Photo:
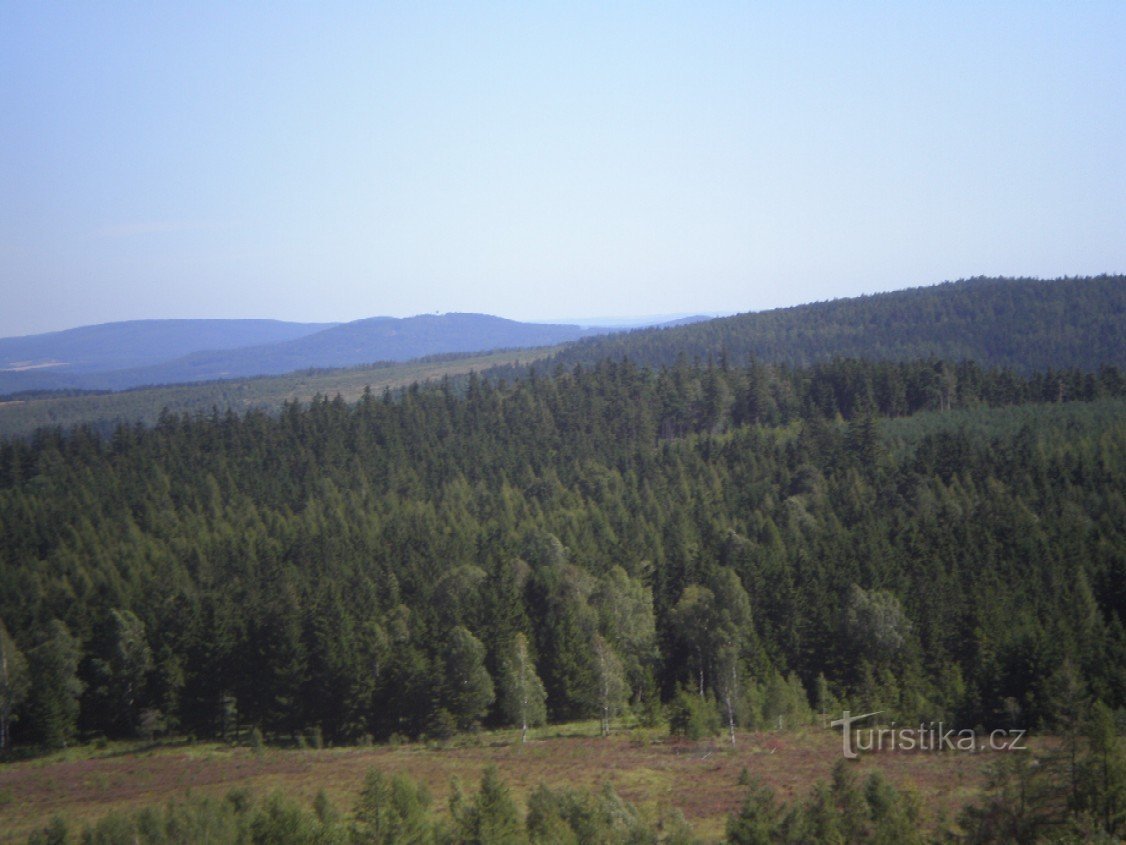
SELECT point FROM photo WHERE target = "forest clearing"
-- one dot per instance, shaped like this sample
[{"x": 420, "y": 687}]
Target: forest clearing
[{"x": 652, "y": 771}]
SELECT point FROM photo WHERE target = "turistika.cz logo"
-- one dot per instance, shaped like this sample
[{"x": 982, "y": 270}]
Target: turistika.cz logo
[{"x": 925, "y": 738}]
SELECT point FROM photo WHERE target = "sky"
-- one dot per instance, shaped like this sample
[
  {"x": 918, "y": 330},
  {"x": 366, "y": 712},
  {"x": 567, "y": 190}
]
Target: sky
[{"x": 331, "y": 161}]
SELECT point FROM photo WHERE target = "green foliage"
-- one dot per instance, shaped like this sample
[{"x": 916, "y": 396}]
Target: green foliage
[
  {"x": 1102, "y": 789},
  {"x": 566, "y": 816},
  {"x": 467, "y": 689},
  {"x": 784, "y": 702},
  {"x": 842, "y": 811},
  {"x": 875, "y": 625},
  {"x": 612, "y": 687},
  {"x": 14, "y": 684},
  {"x": 240, "y": 818},
  {"x": 393, "y": 811},
  {"x": 366, "y": 568},
  {"x": 523, "y": 695},
  {"x": 758, "y": 822},
  {"x": 1073, "y": 792},
  {"x": 117, "y": 677},
  {"x": 52, "y": 706},
  {"x": 693, "y": 716},
  {"x": 389, "y": 811},
  {"x": 491, "y": 818}
]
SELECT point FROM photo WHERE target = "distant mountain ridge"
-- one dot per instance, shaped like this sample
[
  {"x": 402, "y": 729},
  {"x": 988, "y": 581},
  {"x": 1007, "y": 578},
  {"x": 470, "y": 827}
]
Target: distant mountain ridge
[
  {"x": 59, "y": 359},
  {"x": 367, "y": 341},
  {"x": 1024, "y": 324},
  {"x": 117, "y": 356}
]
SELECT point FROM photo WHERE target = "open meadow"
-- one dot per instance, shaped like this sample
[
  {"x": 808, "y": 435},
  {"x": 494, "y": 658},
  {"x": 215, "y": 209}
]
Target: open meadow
[{"x": 653, "y": 771}]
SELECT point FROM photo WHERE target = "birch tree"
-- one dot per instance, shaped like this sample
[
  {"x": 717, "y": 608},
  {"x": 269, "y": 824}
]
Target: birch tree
[
  {"x": 522, "y": 692},
  {"x": 612, "y": 687}
]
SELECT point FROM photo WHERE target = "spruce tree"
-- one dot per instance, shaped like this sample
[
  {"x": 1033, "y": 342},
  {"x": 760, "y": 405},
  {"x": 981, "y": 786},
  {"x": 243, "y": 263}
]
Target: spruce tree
[
  {"x": 52, "y": 707},
  {"x": 466, "y": 688}
]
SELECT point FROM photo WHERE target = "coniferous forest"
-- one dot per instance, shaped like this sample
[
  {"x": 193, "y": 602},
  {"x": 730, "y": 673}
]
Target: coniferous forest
[
  {"x": 706, "y": 542},
  {"x": 932, "y": 540}
]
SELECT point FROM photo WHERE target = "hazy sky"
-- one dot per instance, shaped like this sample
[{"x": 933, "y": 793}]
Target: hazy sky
[{"x": 321, "y": 161}]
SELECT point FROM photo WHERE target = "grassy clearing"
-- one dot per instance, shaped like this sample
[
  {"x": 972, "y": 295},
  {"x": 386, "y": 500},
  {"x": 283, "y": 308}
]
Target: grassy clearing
[{"x": 646, "y": 768}]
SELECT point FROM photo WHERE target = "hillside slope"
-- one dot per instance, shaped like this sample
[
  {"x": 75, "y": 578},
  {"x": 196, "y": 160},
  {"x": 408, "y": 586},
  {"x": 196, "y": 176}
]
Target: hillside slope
[{"x": 1024, "y": 324}]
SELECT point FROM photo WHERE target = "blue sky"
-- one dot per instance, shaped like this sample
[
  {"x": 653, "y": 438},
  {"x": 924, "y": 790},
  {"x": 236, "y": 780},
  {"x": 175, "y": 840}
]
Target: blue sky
[{"x": 328, "y": 161}]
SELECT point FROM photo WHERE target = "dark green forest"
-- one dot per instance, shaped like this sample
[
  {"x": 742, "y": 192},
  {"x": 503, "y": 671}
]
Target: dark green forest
[
  {"x": 939, "y": 541},
  {"x": 1028, "y": 325}
]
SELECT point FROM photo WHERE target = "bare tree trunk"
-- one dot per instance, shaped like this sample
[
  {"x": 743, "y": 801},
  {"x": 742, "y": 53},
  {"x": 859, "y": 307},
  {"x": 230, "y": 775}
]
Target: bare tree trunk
[
  {"x": 731, "y": 719},
  {"x": 5, "y": 709},
  {"x": 729, "y": 699}
]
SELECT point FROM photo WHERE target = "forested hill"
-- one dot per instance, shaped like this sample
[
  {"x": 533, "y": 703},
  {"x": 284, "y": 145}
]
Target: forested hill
[{"x": 1024, "y": 324}]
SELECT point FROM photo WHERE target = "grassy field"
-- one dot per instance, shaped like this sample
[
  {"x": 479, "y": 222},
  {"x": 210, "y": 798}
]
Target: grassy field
[
  {"x": 22, "y": 416},
  {"x": 649, "y": 769}
]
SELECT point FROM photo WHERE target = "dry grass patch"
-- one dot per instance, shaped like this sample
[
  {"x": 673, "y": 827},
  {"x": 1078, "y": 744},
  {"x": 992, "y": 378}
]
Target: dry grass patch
[{"x": 699, "y": 779}]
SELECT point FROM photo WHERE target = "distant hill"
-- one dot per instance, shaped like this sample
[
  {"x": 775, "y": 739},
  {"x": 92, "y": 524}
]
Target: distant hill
[
  {"x": 57, "y": 360},
  {"x": 355, "y": 343},
  {"x": 125, "y": 355},
  {"x": 1027, "y": 325},
  {"x": 1024, "y": 324}
]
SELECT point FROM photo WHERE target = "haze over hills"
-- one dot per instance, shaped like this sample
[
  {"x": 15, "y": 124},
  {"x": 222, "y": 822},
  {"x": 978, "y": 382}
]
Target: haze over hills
[
  {"x": 1028, "y": 326},
  {"x": 1023, "y": 324},
  {"x": 134, "y": 343},
  {"x": 376, "y": 339},
  {"x": 124, "y": 355}
]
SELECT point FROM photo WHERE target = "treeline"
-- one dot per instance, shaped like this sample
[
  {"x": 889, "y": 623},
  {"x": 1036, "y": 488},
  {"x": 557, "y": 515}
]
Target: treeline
[
  {"x": 1024, "y": 324},
  {"x": 572, "y": 546},
  {"x": 22, "y": 413}
]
